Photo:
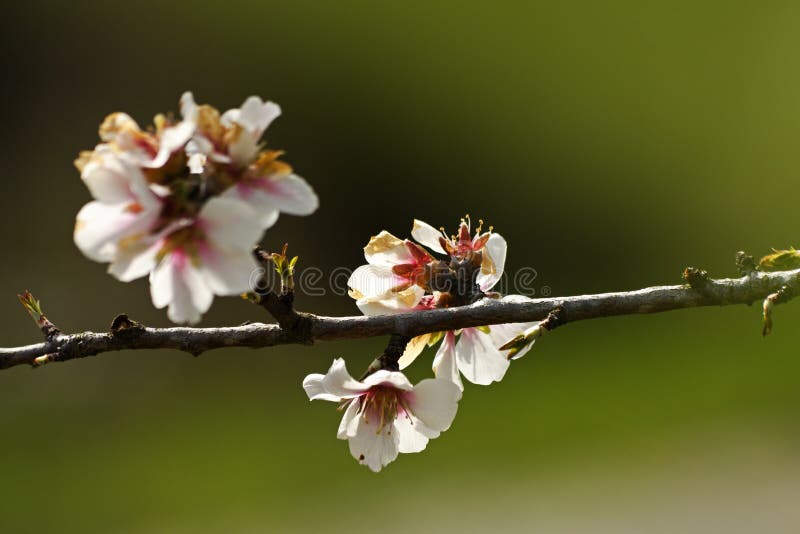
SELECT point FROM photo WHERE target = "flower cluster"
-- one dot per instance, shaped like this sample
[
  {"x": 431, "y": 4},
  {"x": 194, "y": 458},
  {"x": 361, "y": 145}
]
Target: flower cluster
[
  {"x": 185, "y": 201},
  {"x": 403, "y": 276},
  {"x": 385, "y": 414}
]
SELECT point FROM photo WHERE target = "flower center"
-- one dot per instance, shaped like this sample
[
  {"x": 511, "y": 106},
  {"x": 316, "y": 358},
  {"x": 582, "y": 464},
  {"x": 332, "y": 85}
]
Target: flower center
[{"x": 382, "y": 403}]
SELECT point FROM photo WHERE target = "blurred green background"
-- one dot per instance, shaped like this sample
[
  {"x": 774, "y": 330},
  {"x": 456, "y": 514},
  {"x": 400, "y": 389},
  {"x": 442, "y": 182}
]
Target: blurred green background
[{"x": 611, "y": 143}]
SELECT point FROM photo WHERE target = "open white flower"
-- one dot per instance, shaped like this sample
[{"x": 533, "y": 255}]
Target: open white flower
[
  {"x": 385, "y": 413},
  {"x": 209, "y": 256},
  {"x": 124, "y": 211}
]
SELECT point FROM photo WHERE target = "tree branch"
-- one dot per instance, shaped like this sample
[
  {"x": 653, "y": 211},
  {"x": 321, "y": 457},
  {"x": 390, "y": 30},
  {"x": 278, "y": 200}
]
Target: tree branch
[{"x": 128, "y": 335}]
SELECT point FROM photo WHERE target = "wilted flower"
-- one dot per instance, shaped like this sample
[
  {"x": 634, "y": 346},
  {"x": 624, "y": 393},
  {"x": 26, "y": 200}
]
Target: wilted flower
[
  {"x": 487, "y": 249},
  {"x": 393, "y": 279},
  {"x": 385, "y": 414}
]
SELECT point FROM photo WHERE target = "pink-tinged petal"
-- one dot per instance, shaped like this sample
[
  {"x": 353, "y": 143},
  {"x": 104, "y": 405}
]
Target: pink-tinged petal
[
  {"x": 427, "y": 235},
  {"x": 444, "y": 363},
  {"x": 413, "y": 349},
  {"x": 257, "y": 199},
  {"x": 435, "y": 403},
  {"x": 503, "y": 333},
  {"x": 176, "y": 283},
  {"x": 230, "y": 224},
  {"x": 494, "y": 261},
  {"x": 386, "y": 250},
  {"x": 478, "y": 359},
  {"x": 315, "y": 388},
  {"x": 291, "y": 194},
  {"x": 371, "y": 281},
  {"x": 394, "y": 379},
  {"x": 373, "y": 447},
  {"x": 412, "y": 434},
  {"x": 338, "y": 382},
  {"x": 349, "y": 424},
  {"x": 228, "y": 273}
]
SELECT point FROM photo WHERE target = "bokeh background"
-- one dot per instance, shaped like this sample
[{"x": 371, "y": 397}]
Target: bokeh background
[{"x": 611, "y": 143}]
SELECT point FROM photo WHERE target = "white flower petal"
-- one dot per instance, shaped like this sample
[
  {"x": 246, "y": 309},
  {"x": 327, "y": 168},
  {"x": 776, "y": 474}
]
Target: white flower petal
[
  {"x": 98, "y": 228},
  {"x": 291, "y": 194},
  {"x": 108, "y": 177},
  {"x": 371, "y": 281},
  {"x": 228, "y": 273},
  {"x": 338, "y": 381},
  {"x": 478, "y": 359},
  {"x": 134, "y": 259},
  {"x": 255, "y": 115},
  {"x": 435, "y": 403},
  {"x": 444, "y": 363},
  {"x": 172, "y": 139},
  {"x": 315, "y": 388},
  {"x": 177, "y": 283},
  {"x": 259, "y": 200},
  {"x": 349, "y": 424},
  {"x": 427, "y": 235},
  {"x": 394, "y": 379},
  {"x": 391, "y": 303},
  {"x": 494, "y": 262},
  {"x": 373, "y": 448},
  {"x": 243, "y": 149},
  {"x": 230, "y": 224},
  {"x": 411, "y": 433},
  {"x": 188, "y": 107}
]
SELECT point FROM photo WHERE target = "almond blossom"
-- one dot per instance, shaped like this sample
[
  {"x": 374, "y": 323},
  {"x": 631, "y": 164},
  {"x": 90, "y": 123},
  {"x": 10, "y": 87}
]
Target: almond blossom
[
  {"x": 229, "y": 147},
  {"x": 384, "y": 413},
  {"x": 397, "y": 281},
  {"x": 210, "y": 256},
  {"x": 172, "y": 201}
]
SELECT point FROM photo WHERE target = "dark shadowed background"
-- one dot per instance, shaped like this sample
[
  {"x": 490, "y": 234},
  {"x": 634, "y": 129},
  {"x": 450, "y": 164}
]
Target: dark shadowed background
[{"x": 611, "y": 143}]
